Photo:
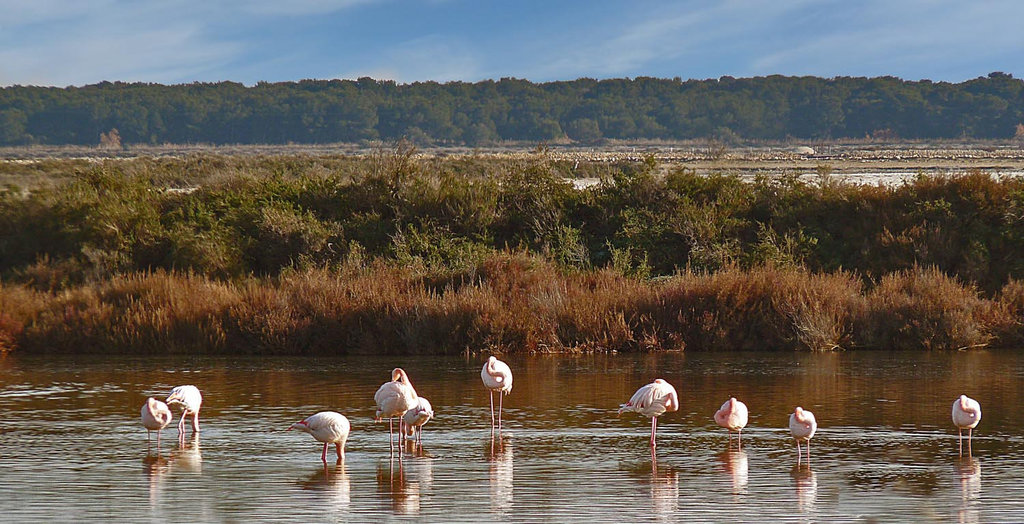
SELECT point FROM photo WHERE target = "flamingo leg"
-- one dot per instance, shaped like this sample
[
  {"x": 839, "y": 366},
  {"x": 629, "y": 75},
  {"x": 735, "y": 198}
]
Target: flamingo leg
[
  {"x": 501, "y": 398},
  {"x": 654, "y": 429},
  {"x": 195, "y": 422},
  {"x": 970, "y": 437},
  {"x": 960, "y": 441},
  {"x": 491, "y": 394},
  {"x": 391, "y": 433},
  {"x": 798, "y": 453},
  {"x": 739, "y": 440},
  {"x": 323, "y": 456},
  {"x": 808, "y": 446}
]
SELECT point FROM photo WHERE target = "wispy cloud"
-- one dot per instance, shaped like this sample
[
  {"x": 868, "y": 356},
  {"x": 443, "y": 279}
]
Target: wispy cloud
[{"x": 63, "y": 42}]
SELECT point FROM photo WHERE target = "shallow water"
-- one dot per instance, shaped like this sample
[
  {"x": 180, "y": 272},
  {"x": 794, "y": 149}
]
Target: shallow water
[{"x": 72, "y": 447}]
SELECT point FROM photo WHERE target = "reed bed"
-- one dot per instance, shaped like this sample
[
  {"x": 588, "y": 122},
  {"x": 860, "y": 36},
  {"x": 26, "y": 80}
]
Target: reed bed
[{"x": 512, "y": 302}]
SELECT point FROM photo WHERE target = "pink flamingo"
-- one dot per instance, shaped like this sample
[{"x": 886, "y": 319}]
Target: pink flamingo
[
  {"x": 653, "y": 400},
  {"x": 802, "y": 425},
  {"x": 415, "y": 418},
  {"x": 393, "y": 400},
  {"x": 155, "y": 417},
  {"x": 191, "y": 400},
  {"x": 966, "y": 415},
  {"x": 733, "y": 417},
  {"x": 328, "y": 427},
  {"x": 497, "y": 377}
]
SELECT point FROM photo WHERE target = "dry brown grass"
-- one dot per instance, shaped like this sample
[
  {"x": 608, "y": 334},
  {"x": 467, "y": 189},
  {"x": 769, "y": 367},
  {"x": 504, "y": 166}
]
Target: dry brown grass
[{"x": 512, "y": 303}]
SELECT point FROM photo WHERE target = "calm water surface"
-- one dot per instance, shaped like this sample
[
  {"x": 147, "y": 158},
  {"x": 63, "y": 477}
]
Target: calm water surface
[{"x": 72, "y": 447}]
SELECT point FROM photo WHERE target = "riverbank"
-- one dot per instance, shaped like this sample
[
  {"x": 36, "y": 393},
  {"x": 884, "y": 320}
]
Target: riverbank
[{"x": 511, "y": 303}]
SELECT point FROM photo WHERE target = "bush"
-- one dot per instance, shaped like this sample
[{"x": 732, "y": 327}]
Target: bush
[{"x": 924, "y": 308}]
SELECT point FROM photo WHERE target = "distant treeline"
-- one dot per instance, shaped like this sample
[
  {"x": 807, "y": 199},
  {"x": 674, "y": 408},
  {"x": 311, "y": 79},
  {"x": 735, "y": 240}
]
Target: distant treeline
[{"x": 583, "y": 111}]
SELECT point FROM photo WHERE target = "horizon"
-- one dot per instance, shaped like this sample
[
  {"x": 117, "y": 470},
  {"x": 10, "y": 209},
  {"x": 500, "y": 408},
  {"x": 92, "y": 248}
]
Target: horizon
[
  {"x": 484, "y": 80},
  {"x": 65, "y": 43}
]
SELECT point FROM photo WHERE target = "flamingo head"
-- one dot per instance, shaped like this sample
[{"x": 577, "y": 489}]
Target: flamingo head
[
  {"x": 799, "y": 413},
  {"x": 301, "y": 425},
  {"x": 732, "y": 403},
  {"x": 963, "y": 403},
  {"x": 398, "y": 375}
]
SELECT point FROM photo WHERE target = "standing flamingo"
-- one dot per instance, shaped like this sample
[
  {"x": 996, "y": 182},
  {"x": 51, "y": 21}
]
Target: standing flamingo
[
  {"x": 393, "y": 400},
  {"x": 155, "y": 417},
  {"x": 328, "y": 427},
  {"x": 653, "y": 400},
  {"x": 802, "y": 425},
  {"x": 189, "y": 398},
  {"x": 497, "y": 377},
  {"x": 415, "y": 418},
  {"x": 733, "y": 416},
  {"x": 966, "y": 415}
]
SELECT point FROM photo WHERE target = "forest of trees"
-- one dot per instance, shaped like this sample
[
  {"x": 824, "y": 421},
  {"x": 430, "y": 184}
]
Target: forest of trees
[{"x": 475, "y": 114}]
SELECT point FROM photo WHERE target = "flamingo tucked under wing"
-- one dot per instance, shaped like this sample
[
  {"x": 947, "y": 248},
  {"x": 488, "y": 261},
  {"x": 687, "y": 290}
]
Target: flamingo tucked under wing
[
  {"x": 802, "y": 425},
  {"x": 497, "y": 377},
  {"x": 394, "y": 399},
  {"x": 155, "y": 417},
  {"x": 733, "y": 417},
  {"x": 966, "y": 415},
  {"x": 653, "y": 400}
]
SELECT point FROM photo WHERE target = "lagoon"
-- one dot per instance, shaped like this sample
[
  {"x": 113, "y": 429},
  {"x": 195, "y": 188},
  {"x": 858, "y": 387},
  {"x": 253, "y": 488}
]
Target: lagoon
[{"x": 73, "y": 449}]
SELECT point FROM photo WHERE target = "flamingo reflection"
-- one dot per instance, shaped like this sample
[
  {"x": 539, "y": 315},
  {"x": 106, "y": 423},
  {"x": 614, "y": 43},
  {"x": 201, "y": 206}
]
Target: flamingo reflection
[
  {"x": 969, "y": 475},
  {"x": 806, "y": 487},
  {"x": 333, "y": 482},
  {"x": 155, "y": 467},
  {"x": 188, "y": 457},
  {"x": 404, "y": 482},
  {"x": 735, "y": 465},
  {"x": 501, "y": 474},
  {"x": 664, "y": 490}
]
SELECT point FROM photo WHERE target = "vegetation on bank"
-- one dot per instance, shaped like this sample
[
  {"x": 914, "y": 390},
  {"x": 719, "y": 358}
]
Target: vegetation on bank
[
  {"x": 482, "y": 113},
  {"x": 324, "y": 255}
]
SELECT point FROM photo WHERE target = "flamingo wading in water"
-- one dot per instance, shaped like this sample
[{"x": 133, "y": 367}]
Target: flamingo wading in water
[
  {"x": 653, "y": 400},
  {"x": 497, "y": 377},
  {"x": 966, "y": 415},
  {"x": 155, "y": 417},
  {"x": 802, "y": 425},
  {"x": 733, "y": 417},
  {"x": 415, "y": 418},
  {"x": 328, "y": 427},
  {"x": 393, "y": 400},
  {"x": 191, "y": 400}
]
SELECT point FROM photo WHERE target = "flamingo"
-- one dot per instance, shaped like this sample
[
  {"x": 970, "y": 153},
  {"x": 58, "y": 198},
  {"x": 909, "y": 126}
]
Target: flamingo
[
  {"x": 733, "y": 417},
  {"x": 802, "y": 425},
  {"x": 191, "y": 400},
  {"x": 497, "y": 377},
  {"x": 328, "y": 427},
  {"x": 415, "y": 418},
  {"x": 653, "y": 400},
  {"x": 155, "y": 417},
  {"x": 393, "y": 400},
  {"x": 966, "y": 415}
]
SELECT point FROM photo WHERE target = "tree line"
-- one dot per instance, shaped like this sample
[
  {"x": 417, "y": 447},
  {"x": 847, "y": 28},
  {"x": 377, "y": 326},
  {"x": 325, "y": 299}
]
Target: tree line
[{"x": 459, "y": 113}]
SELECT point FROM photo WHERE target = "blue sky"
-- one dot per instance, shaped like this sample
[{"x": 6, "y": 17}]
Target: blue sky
[{"x": 78, "y": 42}]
